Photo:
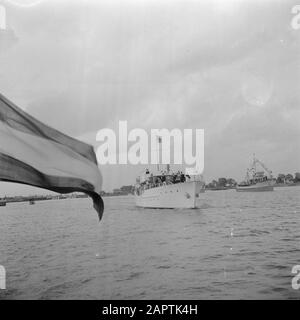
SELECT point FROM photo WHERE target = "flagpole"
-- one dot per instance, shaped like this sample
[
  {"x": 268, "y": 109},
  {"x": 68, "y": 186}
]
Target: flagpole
[{"x": 158, "y": 142}]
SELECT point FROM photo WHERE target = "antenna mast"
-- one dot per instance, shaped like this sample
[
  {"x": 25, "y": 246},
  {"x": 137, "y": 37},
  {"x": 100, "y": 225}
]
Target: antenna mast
[{"x": 158, "y": 151}]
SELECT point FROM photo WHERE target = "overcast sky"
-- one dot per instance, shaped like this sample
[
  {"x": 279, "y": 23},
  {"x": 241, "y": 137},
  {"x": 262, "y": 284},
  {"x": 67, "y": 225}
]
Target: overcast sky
[{"x": 230, "y": 67}]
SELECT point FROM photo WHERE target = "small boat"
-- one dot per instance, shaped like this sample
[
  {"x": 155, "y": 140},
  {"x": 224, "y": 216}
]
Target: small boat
[
  {"x": 257, "y": 181},
  {"x": 2, "y": 203},
  {"x": 31, "y": 202},
  {"x": 165, "y": 189}
]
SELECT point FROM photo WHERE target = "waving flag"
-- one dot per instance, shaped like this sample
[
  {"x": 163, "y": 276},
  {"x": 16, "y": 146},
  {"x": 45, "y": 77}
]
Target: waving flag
[{"x": 35, "y": 154}]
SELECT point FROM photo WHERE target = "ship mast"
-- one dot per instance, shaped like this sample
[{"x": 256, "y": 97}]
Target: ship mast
[
  {"x": 158, "y": 151},
  {"x": 254, "y": 163}
]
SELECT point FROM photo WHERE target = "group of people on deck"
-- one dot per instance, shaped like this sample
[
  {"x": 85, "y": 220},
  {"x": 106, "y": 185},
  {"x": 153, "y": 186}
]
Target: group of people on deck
[
  {"x": 261, "y": 179},
  {"x": 164, "y": 178}
]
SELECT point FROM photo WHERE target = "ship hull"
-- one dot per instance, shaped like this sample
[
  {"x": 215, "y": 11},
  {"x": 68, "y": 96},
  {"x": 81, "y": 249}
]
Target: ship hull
[
  {"x": 259, "y": 187},
  {"x": 179, "y": 195}
]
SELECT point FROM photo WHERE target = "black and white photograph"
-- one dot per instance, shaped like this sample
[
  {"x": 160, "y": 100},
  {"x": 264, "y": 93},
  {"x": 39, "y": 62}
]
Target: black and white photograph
[{"x": 149, "y": 150}]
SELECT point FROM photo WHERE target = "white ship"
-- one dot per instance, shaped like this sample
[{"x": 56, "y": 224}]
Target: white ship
[
  {"x": 168, "y": 190},
  {"x": 257, "y": 180}
]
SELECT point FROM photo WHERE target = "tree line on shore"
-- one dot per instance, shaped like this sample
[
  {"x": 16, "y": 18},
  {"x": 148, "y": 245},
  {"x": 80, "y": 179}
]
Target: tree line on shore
[
  {"x": 288, "y": 178},
  {"x": 221, "y": 183},
  {"x": 227, "y": 183}
]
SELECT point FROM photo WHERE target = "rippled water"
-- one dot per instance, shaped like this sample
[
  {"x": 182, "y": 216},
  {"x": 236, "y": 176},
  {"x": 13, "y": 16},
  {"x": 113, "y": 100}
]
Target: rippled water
[{"x": 237, "y": 245}]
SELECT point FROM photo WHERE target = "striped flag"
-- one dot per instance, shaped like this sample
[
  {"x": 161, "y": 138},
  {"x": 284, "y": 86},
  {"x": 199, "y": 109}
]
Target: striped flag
[{"x": 35, "y": 154}]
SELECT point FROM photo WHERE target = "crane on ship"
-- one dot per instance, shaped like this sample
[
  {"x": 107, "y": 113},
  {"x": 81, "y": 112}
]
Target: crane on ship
[{"x": 253, "y": 167}]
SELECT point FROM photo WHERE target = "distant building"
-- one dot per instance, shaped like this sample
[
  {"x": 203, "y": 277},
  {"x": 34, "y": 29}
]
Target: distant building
[
  {"x": 119, "y": 192},
  {"x": 128, "y": 189}
]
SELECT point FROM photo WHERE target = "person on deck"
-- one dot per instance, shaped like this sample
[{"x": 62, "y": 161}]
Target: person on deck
[{"x": 182, "y": 177}]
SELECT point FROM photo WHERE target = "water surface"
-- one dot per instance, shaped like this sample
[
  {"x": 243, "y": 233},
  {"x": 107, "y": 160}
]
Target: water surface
[{"x": 235, "y": 246}]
